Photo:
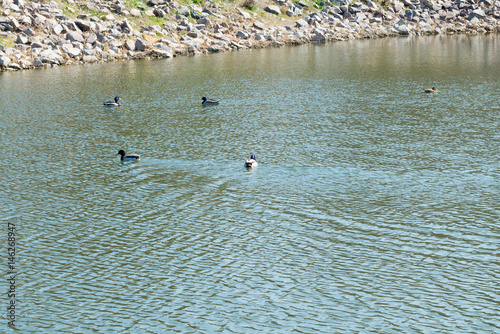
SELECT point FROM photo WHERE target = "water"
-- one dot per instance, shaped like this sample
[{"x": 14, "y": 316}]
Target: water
[{"x": 374, "y": 208}]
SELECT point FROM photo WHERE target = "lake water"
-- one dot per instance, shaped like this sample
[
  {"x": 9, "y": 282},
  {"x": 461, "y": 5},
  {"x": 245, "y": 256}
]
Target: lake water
[{"x": 375, "y": 207}]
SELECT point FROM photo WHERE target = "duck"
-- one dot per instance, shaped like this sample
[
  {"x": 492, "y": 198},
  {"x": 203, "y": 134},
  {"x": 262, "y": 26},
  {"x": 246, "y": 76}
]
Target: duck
[
  {"x": 431, "y": 90},
  {"x": 207, "y": 101},
  {"x": 115, "y": 103},
  {"x": 252, "y": 162},
  {"x": 129, "y": 157}
]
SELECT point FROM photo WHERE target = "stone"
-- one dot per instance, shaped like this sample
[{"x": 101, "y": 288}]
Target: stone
[
  {"x": 4, "y": 61},
  {"x": 245, "y": 15},
  {"x": 135, "y": 12},
  {"x": 58, "y": 29},
  {"x": 184, "y": 11},
  {"x": 90, "y": 59},
  {"x": 403, "y": 30},
  {"x": 301, "y": 23},
  {"x": 479, "y": 13},
  {"x": 92, "y": 39},
  {"x": 140, "y": 45},
  {"x": 158, "y": 12},
  {"x": 15, "y": 67},
  {"x": 35, "y": 42},
  {"x": 22, "y": 39},
  {"x": 84, "y": 25},
  {"x": 242, "y": 34},
  {"x": 129, "y": 45},
  {"x": 319, "y": 37},
  {"x": 73, "y": 52},
  {"x": 75, "y": 37},
  {"x": 259, "y": 25},
  {"x": 51, "y": 57},
  {"x": 273, "y": 10},
  {"x": 161, "y": 53}
]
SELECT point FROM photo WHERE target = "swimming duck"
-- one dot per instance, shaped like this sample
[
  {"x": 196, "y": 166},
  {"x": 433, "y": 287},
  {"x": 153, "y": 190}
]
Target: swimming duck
[
  {"x": 252, "y": 162},
  {"x": 129, "y": 157},
  {"x": 207, "y": 101},
  {"x": 115, "y": 103},
  {"x": 431, "y": 90}
]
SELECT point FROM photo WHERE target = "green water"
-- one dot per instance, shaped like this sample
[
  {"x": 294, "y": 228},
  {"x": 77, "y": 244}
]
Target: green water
[{"x": 374, "y": 208}]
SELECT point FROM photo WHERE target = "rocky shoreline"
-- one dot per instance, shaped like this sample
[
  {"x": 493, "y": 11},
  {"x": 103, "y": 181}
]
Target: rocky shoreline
[{"x": 42, "y": 34}]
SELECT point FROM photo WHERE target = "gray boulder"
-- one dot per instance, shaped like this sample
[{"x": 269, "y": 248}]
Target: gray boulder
[
  {"x": 479, "y": 13},
  {"x": 129, "y": 45},
  {"x": 140, "y": 45},
  {"x": 242, "y": 35},
  {"x": 22, "y": 39},
  {"x": 301, "y": 23},
  {"x": 84, "y": 25},
  {"x": 90, "y": 59},
  {"x": 162, "y": 53},
  {"x": 319, "y": 37},
  {"x": 51, "y": 57},
  {"x": 75, "y": 37},
  {"x": 4, "y": 61},
  {"x": 273, "y": 10},
  {"x": 259, "y": 25},
  {"x": 183, "y": 10}
]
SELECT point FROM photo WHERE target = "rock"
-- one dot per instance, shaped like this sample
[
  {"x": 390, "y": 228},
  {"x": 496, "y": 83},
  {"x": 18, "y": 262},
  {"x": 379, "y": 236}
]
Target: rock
[
  {"x": 22, "y": 39},
  {"x": 479, "y": 13},
  {"x": 73, "y": 52},
  {"x": 242, "y": 34},
  {"x": 37, "y": 62},
  {"x": 184, "y": 11},
  {"x": 159, "y": 12},
  {"x": 403, "y": 30},
  {"x": 140, "y": 45},
  {"x": 204, "y": 21},
  {"x": 90, "y": 59},
  {"x": 259, "y": 25},
  {"x": 84, "y": 25},
  {"x": 273, "y": 10},
  {"x": 4, "y": 61},
  {"x": 135, "y": 12},
  {"x": 301, "y": 23},
  {"x": 35, "y": 42},
  {"x": 29, "y": 32},
  {"x": 303, "y": 4},
  {"x": 92, "y": 39},
  {"x": 75, "y": 37},
  {"x": 318, "y": 38},
  {"x": 129, "y": 45},
  {"x": 51, "y": 57},
  {"x": 15, "y": 67},
  {"x": 58, "y": 29},
  {"x": 161, "y": 53},
  {"x": 245, "y": 15}
]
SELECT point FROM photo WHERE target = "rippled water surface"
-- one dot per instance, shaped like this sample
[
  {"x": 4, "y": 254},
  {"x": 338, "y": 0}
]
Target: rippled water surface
[{"x": 375, "y": 207}]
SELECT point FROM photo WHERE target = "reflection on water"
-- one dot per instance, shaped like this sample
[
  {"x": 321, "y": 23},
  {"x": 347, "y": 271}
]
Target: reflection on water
[{"x": 374, "y": 207}]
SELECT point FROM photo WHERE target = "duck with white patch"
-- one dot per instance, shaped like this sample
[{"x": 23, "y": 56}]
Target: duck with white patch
[
  {"x": 252, "y": 162},
  {"x": 208, "y": 101},
  {"x": 128, "y": 157},
  {"x": 115, "y": 103}
]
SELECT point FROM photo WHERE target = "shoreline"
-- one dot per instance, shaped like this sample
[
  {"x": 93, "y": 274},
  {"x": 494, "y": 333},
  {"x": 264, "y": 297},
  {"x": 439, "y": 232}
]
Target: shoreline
[{"x": 40, "y": 35}]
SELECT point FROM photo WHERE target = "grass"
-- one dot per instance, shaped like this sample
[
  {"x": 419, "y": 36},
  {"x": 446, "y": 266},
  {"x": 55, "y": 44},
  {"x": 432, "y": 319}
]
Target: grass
[{"x": 7, "y": 42}]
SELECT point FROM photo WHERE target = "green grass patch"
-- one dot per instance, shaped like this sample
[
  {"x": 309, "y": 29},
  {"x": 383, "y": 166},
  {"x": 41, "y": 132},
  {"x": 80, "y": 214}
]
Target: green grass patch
[{"x": 8, "y": 42}]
